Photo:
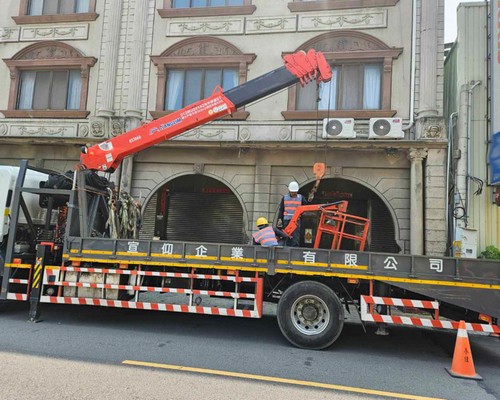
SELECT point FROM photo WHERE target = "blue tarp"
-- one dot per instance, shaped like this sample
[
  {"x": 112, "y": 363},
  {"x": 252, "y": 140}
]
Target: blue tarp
[{"x": 495, "y": 158}]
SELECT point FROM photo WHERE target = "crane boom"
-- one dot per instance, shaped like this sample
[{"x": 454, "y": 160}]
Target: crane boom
[{"x": 299, "y": 67}]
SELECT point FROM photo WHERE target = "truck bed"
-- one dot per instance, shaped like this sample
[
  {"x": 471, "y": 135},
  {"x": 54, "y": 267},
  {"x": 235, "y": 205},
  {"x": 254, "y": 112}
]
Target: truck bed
[{"x": 466, "y": 283}]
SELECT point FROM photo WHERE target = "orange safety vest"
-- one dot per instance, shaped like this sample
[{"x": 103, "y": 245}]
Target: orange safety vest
[
  {"x": 291, "y": 203},
  {"x": 265, "y": 237}
]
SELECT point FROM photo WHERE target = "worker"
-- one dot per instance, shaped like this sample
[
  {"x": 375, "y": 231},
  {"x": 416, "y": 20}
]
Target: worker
[
  {"x": 267, "y": 236},
  {"x": 288, "y": 205}
]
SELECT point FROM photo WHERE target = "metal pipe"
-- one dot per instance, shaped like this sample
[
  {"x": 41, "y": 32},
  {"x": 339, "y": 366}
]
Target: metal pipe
[
  {"x": 413, "y": 66},
  {"x": 467, "y": 176},
  {"x": 451, "y": 125}
]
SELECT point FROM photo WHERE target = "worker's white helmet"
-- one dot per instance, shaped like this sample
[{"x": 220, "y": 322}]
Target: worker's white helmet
[{"x": 293, "y": 187}]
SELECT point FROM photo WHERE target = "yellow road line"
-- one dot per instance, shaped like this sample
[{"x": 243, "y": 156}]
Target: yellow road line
[{"x": 278, "y": 380}]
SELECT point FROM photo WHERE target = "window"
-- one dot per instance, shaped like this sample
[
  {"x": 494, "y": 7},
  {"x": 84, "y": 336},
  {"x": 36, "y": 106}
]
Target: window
[
  {"x": 191, "y": 69},
  {"x": 353, "y": 87},
  {"x": 187, "y": 86},
  {"x": 48, "y": 80},
  {"x": 49, "y": 90},
  {"x": 361, "y": 85},
  {"x": 51, "y": 7},
  {"x": 321, "y": 5},
  {"x": 204, "y": 8},
  {"x": 50, "y": 11}
]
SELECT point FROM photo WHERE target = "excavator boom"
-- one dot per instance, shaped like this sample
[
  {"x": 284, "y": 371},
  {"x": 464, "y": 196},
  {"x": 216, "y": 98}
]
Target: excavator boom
[{"x": 299, "y": 67}]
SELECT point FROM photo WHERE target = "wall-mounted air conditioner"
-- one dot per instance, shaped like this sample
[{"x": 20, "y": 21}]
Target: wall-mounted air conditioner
[
  {"x": 338, "y": 128},
  {"x": 386, "y": 128}
]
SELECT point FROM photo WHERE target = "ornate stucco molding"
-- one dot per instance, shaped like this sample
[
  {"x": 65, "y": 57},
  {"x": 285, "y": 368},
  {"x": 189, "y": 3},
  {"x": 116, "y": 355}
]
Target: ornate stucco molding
[
  {"x": 218, "y": 26},
  {"x": 359, "y": 19},
  {"x": 431, "y": 128},
  {"x": 417, "y": 155},
  {"x": 343, "y": 20},
  {"x": 37, "y": 130},
  {"x": 210, "y": 134},
  {"x": 66, "y": 32},
  {"x": 9, "y": 34},
  {"x": 271, "y": 24}
]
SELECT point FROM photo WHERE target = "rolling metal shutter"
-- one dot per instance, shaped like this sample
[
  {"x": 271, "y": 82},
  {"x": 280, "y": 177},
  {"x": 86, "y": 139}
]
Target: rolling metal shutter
[
  {"x": 382, "y": 229},
  {"x": 204, "y": 217},
  {"x": 149, "y": 219}
]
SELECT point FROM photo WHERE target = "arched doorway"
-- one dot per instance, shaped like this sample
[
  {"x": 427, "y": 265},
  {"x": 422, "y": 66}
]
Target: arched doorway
[
  {"x": 194, "y": 208},
  {"x": 363, "y": 202}
]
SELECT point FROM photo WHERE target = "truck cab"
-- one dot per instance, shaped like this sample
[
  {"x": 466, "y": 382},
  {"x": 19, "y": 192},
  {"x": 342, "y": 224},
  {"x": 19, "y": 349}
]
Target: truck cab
[{"x": 8, "y": 177}]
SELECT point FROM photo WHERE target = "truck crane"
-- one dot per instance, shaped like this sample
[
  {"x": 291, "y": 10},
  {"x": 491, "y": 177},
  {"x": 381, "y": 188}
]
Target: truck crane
[
  {"x": 299, "y": 67},
  {"x": 73, "y": 261}
]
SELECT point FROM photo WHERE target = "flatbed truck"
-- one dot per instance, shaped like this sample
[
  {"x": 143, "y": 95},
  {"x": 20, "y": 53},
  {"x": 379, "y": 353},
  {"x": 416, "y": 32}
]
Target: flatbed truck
[{"x": 70, "y": 258}]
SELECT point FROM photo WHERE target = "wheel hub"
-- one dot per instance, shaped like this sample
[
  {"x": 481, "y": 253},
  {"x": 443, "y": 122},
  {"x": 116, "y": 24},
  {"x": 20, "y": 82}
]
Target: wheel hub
[
  {"x": 310, "y": 312},
  {"x": 310, "y": 315}
]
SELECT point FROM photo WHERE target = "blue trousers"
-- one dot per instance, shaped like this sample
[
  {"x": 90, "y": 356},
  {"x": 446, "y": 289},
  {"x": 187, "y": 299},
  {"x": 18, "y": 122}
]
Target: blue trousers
[{"x": 294, "y": 241}]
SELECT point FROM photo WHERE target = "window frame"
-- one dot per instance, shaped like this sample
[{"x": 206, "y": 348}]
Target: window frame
[
  {"x": 201, "y": 88},
  {"x": 169, "y": 12},
  {"x": 23, "y": 61},
  {"x": 322, "y": 5},
  {"x": 25, "y": 18},
  {"x": 51, "y": 87},
  {"x": 378, "y": 53},
  {"x": 341, "y": 67},
  {"x": 170, "y": 59}
]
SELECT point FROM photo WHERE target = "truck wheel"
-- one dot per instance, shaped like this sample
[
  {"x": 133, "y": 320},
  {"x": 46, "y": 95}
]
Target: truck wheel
[{"x": 310, "y": 315}]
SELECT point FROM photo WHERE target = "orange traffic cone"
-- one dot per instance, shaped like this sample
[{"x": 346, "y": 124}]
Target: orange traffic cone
[{"x": 462, "y": 365}]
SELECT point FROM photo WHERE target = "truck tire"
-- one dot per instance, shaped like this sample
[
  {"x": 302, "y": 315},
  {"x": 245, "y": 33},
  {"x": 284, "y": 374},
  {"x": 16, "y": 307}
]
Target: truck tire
[{"x": 310, "y": 315}]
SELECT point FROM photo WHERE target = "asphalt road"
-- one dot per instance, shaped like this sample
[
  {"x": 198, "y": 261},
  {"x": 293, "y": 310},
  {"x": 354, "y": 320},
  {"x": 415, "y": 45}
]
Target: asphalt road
[{"x": 91, "y": 344}]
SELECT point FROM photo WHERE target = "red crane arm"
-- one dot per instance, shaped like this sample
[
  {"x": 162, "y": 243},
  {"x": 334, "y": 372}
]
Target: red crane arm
[{"x": 108, "y": 155}]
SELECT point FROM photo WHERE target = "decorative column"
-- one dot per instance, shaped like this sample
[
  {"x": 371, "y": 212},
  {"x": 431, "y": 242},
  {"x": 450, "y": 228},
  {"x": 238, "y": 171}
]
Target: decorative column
[
  {"x": 134, "y": 113},
  {"x": 428, "y": 58},
  {"x": 416, "y": 156},
  {"x": 262, "y": 194},
  {"x": 109, "y": 59}
]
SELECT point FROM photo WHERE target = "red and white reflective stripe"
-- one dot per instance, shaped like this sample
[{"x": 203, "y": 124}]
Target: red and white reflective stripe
[
  {"x": 151, "y": 306},
  {"x": 17, "y": 296},
  {"x": 424, "y": 322},
  {"x": 19, "y": 281},
  {"x": 153, "y": 289},
  {"x": 389, "y": 301},
  {"x": 51, "y": 271},
  {"x": 158, "y": 273},
  {"x": 462, "y": 333}
]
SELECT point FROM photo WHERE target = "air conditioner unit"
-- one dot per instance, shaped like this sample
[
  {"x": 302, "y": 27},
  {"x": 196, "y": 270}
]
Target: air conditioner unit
[
  {"x": 338, "y": 128},
  {"x": 386, "y": 128}
]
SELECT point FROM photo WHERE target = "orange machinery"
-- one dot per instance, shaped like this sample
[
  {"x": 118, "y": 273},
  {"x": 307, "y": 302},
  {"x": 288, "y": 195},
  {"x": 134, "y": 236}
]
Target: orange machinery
[{"x": 335, "y": 221}]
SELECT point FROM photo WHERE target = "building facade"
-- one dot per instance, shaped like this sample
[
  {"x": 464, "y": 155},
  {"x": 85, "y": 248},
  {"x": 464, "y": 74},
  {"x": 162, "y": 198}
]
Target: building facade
[
  {"x": 83, "y": 71},
  {"x": 472, "y": 203}
]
